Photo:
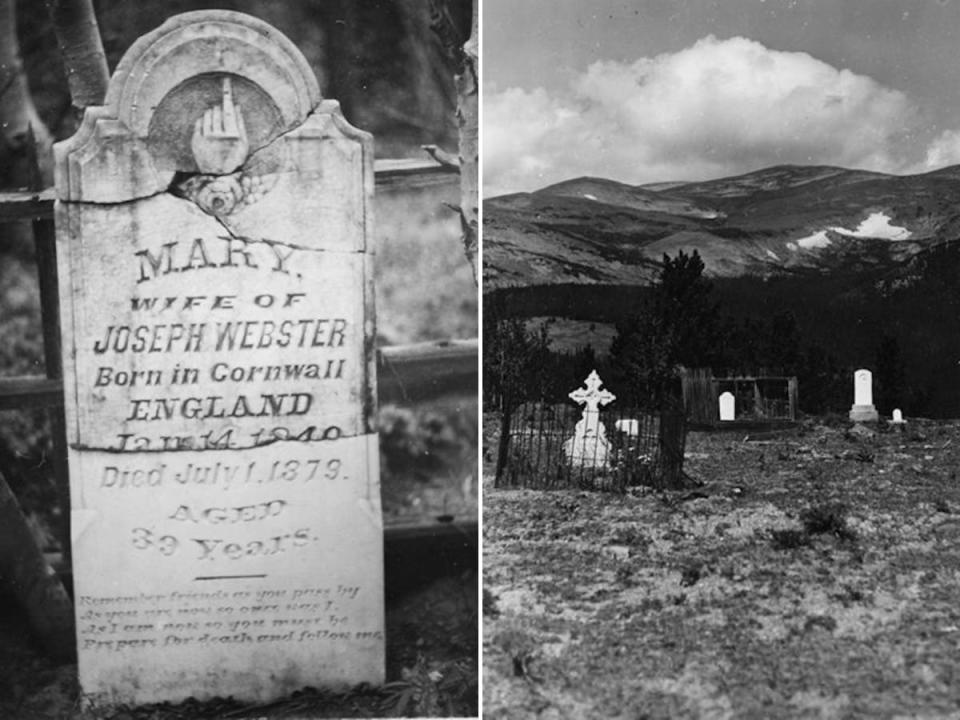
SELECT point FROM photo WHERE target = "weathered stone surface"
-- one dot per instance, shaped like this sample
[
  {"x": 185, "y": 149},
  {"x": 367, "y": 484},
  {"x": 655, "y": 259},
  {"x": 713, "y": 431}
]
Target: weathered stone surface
[{"x": 214, "y": 230}]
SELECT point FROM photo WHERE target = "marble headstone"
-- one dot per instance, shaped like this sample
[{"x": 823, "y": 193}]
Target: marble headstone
[
  {"x": 727, "y": 407},
  {"x": 863, "y": 409},
  {"x": 215, "y": 263}
]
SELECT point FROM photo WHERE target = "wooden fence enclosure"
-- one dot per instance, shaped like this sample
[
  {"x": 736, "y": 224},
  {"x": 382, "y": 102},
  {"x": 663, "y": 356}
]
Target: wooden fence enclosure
[{"x": 758, "y": 398}]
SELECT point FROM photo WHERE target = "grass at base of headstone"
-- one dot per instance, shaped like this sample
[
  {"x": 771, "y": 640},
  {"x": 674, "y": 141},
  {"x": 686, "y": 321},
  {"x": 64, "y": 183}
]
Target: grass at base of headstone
[
  {"x": 813, "y": 575},
  {"x": 431, "y": 671}
]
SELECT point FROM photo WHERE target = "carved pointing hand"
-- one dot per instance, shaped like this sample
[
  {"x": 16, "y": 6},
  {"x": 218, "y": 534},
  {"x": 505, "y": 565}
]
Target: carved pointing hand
[{"x": 219, "y": 140}]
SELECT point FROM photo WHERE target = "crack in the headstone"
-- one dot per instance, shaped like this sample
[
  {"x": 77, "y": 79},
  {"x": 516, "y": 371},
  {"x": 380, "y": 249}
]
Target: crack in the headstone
[
  {"x": 252, "y": 153},
  {"x": 179, "y": 177},
  {"x": 282, "y": 135},
  {"x": 223, "y": 224},
  {"x": 80, "y": 447},
  {"x": 281, "y": 243},
  {"x": 115, "y": 203}
]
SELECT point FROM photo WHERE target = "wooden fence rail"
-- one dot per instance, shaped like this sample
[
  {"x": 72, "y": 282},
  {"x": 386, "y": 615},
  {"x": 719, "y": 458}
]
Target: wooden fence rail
[
  {"x": 406, "y": 374},
  {"x": 390, "y": 174}
]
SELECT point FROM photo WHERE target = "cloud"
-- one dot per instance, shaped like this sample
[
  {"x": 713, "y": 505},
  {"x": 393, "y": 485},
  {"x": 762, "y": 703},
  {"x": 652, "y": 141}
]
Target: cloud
[
  {"x": 943, "y": 151},
  {"x": 719, "y": 107}
]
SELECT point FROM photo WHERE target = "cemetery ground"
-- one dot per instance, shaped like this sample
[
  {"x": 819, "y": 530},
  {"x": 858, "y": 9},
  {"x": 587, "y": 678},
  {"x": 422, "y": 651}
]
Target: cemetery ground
[
  {"x": 814, "y": 574},
  {"x": 425, "y": 292}
]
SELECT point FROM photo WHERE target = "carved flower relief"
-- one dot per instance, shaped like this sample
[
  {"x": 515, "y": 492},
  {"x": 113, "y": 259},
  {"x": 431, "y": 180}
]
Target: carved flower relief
[
  {"x": 218, "y": 195},
  {"x": 224, "y": 194}
]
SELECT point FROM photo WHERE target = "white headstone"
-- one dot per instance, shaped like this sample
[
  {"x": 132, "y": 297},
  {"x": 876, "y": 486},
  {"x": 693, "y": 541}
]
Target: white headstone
[
  {"x": 589, "y": 446},
  {"x": 898, "y": 417},
  {"x": 863, "y": 409},
  {"x": 727, "y": 407},
  {"x": 214, "y": 236},
  {"x": 863, "y": 387}
]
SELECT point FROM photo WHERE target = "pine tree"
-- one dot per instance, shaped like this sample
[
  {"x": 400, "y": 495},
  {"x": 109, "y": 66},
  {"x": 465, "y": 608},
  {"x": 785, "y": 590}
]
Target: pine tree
[{"x": 677, "y": 326}]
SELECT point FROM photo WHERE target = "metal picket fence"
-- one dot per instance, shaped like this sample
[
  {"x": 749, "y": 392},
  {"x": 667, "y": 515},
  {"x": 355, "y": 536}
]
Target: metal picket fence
[{"x": 643, "y": 447}]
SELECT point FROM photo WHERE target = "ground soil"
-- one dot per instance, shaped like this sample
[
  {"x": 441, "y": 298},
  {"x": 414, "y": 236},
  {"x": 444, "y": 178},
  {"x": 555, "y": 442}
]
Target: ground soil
[{"x": 815, "y": 574}]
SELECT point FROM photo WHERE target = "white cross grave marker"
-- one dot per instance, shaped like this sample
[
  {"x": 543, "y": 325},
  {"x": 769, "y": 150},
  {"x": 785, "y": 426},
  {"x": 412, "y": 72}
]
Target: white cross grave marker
[{"x": 589, "y": 445}]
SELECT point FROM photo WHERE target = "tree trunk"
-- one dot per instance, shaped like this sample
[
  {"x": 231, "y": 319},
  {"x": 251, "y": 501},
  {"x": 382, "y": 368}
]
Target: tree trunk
[
  {"x": 81, "y": 49},
  {"x": 672, "y": 441},
  {"x": 36, "y": 587},
  {"x": 468, "y": 120},
  {"x": 18, "y": 115}
]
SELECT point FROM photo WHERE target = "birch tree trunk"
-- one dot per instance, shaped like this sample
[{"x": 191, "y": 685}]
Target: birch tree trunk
[
  {"x": 18, "y": 115},
  {"x": 81, "y": 49},
  {"x": 468, "y": 120}
]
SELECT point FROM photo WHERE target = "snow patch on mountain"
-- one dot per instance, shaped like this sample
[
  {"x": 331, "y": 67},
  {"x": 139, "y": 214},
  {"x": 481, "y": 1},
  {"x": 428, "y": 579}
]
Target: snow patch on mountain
[
  {"x": 818, "y": 240},
  {"x": 876, "y": 226}
]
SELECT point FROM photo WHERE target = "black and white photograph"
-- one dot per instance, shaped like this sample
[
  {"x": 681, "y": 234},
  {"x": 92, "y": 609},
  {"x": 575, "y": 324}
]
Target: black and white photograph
[
  {"x": 239, "y": 367},
  {"x": 720, "y": 359}
]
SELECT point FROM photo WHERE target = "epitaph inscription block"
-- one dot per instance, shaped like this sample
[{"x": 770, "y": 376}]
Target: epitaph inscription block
[{"x": 214, "y": 239}]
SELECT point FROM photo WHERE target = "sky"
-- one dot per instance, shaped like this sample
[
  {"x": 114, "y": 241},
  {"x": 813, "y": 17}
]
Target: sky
[{"x": 662, "y": 90}]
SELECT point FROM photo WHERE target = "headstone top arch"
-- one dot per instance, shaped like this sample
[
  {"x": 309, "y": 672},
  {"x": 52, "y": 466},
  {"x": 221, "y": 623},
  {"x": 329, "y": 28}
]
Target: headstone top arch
[
  {"x": 206, "y": 42},
  {"x": 167, "y": 82}
]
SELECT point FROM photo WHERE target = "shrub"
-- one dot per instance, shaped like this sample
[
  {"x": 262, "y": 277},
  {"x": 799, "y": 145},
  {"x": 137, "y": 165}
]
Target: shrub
[
  {"x": 790, "y": 539},
  {"x": 827, "y": 518}
]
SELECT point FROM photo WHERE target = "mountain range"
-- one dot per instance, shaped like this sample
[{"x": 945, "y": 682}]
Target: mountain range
[
  {"x": 777, "y": 221},
  {"x": 866, "y": 264}
]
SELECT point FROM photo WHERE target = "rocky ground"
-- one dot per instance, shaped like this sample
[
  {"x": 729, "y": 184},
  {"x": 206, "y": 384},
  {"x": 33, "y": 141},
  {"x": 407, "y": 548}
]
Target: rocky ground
[{"x": 814, "y": 575}]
